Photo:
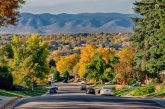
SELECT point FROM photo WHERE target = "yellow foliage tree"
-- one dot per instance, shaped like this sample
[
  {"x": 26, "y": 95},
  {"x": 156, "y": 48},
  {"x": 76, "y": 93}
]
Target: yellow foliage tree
[
  {"x": 87, "y": 53},
  {"x": 105, "y": 52},
  {"x": 66, "y": 63}
]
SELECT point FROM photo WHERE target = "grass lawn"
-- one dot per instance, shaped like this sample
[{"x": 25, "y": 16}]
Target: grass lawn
[
  {"x": 128, "y": 92},
  {"x": 27, "y": 92},
  {"x": 124, "y": 92},
  {"x": 160, "y": 93}
]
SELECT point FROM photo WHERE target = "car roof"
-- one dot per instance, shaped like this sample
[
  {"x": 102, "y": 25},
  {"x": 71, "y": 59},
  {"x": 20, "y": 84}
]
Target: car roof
[{"x": 106, "y": 88}]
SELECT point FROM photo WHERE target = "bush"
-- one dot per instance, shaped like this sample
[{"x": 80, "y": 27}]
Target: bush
[
  {"x": 56, "y": 75},
  {"x": 143, "y": 90},
  {"x": 66, "y": 75},
  {"x": 120, "y": 87},
  {"x": 6, "y": 79}
]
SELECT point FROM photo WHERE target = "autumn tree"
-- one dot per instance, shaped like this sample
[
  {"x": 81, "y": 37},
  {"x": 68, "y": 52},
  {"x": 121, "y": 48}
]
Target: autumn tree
[
  {"x": 108, "y": 55},
  {"x": 125, "y": 71},
  {"x": 87, "y": 53},
  {"x": 66, "y": 63},
  {"x": 9, "y": 11}
]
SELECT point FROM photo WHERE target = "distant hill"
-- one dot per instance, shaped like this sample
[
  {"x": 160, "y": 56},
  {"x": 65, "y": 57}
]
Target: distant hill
[{"x": 71, "y": 23}]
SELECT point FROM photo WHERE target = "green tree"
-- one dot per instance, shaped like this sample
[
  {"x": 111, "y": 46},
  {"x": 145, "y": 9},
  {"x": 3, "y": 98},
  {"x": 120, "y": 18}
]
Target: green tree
[
  {"x": 66, "y": 75},
  {"x": 109, "y": 72},
  {"x": 29, "y": 60},
  {"x": 95, "y": 69},
  {"x": 56, "y": 75},
  {"x": 149, "y": 36}
]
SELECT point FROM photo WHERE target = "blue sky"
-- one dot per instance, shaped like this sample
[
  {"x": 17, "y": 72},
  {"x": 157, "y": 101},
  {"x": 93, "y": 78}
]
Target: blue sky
[{"x": 78, "y": 6}]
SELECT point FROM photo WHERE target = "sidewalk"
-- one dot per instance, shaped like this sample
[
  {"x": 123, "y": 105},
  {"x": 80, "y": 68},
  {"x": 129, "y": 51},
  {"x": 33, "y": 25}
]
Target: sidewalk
[{"x": 4, "y": 101}]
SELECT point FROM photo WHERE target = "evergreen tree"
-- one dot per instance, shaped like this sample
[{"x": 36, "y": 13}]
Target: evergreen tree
[
  {"x": 56, "y": 75},
  {"x": 66, "y": 75},
  {"x": 149, "y": 36}
]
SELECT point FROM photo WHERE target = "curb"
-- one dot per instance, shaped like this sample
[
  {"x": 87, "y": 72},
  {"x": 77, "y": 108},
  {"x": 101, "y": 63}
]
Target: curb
[
  {"x": 18, "y": 102},
  {"x": 9, "y": 102},
  {"x": 161, "y": 102}
]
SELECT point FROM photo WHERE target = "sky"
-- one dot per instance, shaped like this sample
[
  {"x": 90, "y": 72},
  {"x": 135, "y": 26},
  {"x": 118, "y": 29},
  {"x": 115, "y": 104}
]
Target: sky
[{"x": 78, "y": 6}]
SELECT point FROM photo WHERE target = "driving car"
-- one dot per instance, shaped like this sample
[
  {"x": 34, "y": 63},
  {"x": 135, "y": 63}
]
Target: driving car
[
  {"x": 106, "y": 91},
  {"x": 90, "y": 90},
  {"x": 83, "y": 87},
  {"x": 53, "y": 90}
]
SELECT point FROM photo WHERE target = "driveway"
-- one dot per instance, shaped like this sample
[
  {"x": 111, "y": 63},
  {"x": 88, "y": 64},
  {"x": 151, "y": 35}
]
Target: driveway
[{"x": 70, "y": 97}]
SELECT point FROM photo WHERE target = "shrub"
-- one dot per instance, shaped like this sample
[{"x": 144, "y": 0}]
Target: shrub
[
  {"x": 143, "y": 90},
  {"x": 157, "y": 88},
  {"x": 66, "y": 75},
  {"x": 56, "y": 75},
  {"x": 6, "y": 79},
  {"x": 131, "y": 81},
  {"x": 120, "y": 87}
]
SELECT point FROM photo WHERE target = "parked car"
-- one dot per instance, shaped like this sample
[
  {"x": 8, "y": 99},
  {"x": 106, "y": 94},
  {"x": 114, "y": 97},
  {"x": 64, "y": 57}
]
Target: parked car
[
  {"x": 106, "y": 91},
  {"x": 18, "y": 88},
  {"x": 135, "y": 85},
  {"x": 65, "y": 81},
  {"x": 53, "y": 90},
  {"x": 83, "y": 87},
  {"x": 55, "y": 87},
  {"x": 49, "y": 82},
  {"x": 90, "y": 90},
  {"x": 97, "y": 91},
  {"x": 107, "y": 83},
  {"x": 82, "y": 82}
]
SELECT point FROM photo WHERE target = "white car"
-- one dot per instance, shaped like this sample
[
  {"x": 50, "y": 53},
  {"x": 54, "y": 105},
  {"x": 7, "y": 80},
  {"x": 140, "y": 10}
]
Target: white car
[
  {"x": 107, "y": 83},
  {"x": 106, "y": 91},
  {"x": 82, "y": 82}
]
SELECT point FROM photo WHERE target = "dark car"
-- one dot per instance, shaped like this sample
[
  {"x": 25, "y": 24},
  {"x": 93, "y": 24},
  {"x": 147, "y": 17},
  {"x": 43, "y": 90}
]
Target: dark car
[
  {"x": 90, "y": 90},
  {"x": 83, "y": 87},
  {"x": 18, "y": 88},
  {"x": 98, "y": 90},
  {"x": 65, "y": 81},
  {"x": 53, "y": 90}
]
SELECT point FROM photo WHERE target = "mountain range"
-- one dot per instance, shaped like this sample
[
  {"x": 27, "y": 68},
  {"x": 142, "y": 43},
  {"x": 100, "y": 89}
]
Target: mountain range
[{"x": 71, "y": 23}]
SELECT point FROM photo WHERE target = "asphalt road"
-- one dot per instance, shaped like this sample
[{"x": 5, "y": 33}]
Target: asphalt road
[{"x": 70, "y": 97}]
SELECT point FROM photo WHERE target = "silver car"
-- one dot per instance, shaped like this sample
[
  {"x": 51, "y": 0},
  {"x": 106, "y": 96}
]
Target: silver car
[{"x": 106, "y": 91}]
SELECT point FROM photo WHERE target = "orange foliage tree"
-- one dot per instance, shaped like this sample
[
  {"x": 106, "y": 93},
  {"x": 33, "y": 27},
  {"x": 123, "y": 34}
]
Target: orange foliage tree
[
  {"x": 9, "y": 11},
  {"x": 125, "y": 71}
]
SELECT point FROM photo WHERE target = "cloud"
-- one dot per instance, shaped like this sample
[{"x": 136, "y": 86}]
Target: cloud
[{"x": 77, "y": 6}]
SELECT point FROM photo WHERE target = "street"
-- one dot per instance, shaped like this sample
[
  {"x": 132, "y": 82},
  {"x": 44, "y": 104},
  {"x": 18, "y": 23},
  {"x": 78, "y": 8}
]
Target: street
[{"x": 70, "y": 97}]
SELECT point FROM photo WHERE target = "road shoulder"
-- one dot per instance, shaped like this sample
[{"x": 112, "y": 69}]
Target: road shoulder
[
  {"x": 5, "y": 101},
  {"x": 160, "y": 101}
]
